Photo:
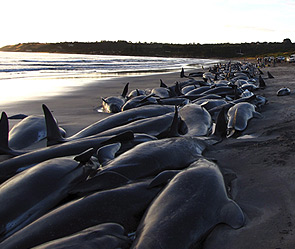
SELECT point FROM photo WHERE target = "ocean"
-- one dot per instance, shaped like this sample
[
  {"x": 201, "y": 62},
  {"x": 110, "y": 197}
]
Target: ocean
[{"x": 27, "y": 76}]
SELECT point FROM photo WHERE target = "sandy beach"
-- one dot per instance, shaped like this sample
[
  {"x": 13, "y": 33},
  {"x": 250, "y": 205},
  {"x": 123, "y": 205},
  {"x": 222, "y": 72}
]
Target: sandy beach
[{"x": 264, "y": 163}]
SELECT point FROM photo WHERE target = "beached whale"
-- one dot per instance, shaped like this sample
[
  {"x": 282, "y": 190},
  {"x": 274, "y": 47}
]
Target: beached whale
[
  {"x": 137, "y": 101},
  {"x": 113, "y": 104},
  {"x": 198, "y": 90},
  {"x": 187, "y": 209},
  {"x": 284, "y": 91},
  {"x": 239, "y": 116},
  {"x": 19, "y": 163},
  {"x": 209, "y": 103},
  {"x": 161, "y": 92},
  {"x": 115, "y": 120},
  {"x": 28, "y": 131},
  {"x": 176, "y": 101},
  {"x": 124, "y": 205},
  {"x": 188, "y": 88},
  {"x": 107, "y": 236},
  {"x": 229, "y": 104},
  {"x": 196, "y": 120},
  {"x": 160, "y": 126},
  {"x": 136, "y": 92},
  {"x": 150, "y": 158},
  {"x": 222, "y": 91},
  {"x": 30, "y": 194}
]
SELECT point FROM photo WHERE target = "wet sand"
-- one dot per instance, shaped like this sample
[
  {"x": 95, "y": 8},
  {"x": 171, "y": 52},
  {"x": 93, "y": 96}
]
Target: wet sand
[{"x": 264, "y": 165}]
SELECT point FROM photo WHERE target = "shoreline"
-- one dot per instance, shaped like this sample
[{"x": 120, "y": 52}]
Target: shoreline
[{"x": 76, "y": 108}]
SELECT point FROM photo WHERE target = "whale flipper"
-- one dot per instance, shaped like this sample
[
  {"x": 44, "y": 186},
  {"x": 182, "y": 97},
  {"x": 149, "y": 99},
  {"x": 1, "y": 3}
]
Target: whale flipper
[
  {"x": 163, "y": 178},
  {"x": 107, "y": 153},
  {"x": 232, "y": 215},
  {"x": 257, "y": 115},
  {"x": 85, "y": 156},
  {"x": 106, "y": 180}
]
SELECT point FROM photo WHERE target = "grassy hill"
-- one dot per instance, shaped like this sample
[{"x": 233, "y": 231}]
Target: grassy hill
[{"x": 225, "y": 50}]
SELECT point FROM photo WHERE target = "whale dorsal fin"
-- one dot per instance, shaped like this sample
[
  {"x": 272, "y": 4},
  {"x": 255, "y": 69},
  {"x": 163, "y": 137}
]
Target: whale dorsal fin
[
  {"x": 262, "y": 84},
  {"x": 174, "y": 126},
  {"x": 177, "y": 89},
  {"x": 173, "y": 130},
  {"x": 105, "y": 180},
  {"x": 53, "y": 132},
  {"x": 269, "y": 75},
  {"x": 260, "y": 71},
  {"x": 221, "y": 125},
  {"x": 162, "y": 84},
  {"x": 4, "y": 129},
  {"x": 182, "y": 75},
  {"x": 4, "y": 135},
  {"x": 125, "y": 90}
]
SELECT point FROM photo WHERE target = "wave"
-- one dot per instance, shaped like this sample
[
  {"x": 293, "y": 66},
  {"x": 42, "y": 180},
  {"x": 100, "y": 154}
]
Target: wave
[{"x": 28, "y": 63}]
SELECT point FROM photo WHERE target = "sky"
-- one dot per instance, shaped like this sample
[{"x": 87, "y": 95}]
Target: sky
[{"x": 185, "y": 21}]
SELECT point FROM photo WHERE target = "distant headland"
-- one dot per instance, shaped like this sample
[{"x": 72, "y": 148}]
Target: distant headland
[{"x": 223, "y": 50}]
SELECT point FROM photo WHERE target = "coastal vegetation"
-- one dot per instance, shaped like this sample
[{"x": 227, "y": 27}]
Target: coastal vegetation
[{"x": 223, "y": 50}]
